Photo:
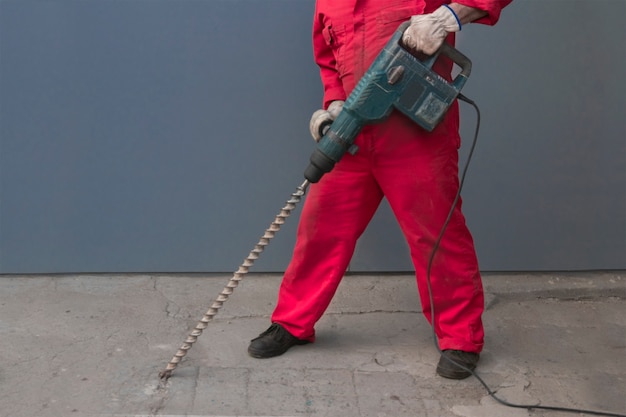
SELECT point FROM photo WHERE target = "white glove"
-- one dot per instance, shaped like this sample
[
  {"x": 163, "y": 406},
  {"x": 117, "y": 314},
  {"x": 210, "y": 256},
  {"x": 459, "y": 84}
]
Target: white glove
[
  {"x": 427, "y": 32},
  {"x": 322, "y": 117}
]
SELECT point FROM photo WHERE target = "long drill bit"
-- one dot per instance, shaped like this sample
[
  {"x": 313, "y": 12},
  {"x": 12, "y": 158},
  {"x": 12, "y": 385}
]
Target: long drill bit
[{"x": 234, "y": 281}]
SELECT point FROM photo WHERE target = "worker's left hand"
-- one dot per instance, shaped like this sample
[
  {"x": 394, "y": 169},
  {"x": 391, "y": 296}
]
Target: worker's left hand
[{"x": 427, "y": 32}]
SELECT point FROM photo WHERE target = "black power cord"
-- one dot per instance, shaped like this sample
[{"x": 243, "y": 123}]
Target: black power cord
[{"x": 432, "y": 304}]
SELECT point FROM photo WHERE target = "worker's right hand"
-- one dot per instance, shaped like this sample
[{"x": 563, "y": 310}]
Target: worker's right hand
[
  {"x": 322, "y": 117},
  {"x": 427, "y": 32}
]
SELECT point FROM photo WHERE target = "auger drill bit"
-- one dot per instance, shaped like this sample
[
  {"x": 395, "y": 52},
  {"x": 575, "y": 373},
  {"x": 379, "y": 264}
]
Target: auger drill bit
[{"x": 234, "y": 281}]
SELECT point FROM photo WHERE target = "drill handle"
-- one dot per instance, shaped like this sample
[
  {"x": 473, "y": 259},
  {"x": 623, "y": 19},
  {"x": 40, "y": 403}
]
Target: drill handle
[{"x": 459, "y": 59}]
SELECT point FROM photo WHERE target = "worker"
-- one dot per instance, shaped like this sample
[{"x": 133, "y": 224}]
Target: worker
[{"x": 415, "y": 170}]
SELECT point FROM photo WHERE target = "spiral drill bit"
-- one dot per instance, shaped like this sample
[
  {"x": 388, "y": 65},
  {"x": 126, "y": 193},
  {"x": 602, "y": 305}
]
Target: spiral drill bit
[{"x": 234, "y": 281}]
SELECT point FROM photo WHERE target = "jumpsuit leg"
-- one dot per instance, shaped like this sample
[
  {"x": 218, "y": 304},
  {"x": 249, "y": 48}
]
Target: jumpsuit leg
[
  {"x": 419, "y": 177},
  {"x": 335, "y": 213}
]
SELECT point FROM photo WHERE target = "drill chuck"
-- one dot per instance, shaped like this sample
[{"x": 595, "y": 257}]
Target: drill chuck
[{"x": 319, "y": 165}]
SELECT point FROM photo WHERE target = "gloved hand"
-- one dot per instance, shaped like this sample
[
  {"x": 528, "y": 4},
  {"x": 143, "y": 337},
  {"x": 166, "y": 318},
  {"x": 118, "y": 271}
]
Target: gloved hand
[
  {"x": 322, "y": 117},
  {"x": 427, "y": 32}
]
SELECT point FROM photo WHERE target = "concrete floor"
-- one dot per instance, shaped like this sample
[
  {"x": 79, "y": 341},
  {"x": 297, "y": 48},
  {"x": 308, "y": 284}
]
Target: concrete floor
[{"x": 93, "y": 345}]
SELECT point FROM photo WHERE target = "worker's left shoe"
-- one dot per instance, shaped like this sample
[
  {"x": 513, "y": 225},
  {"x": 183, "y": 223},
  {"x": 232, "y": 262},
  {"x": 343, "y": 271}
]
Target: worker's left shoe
[{"x": 448, "y": 367}]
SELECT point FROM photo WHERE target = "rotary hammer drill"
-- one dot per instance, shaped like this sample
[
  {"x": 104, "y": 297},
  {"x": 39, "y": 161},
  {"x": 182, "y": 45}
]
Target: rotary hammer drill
[{"x": 396, "y": 79}]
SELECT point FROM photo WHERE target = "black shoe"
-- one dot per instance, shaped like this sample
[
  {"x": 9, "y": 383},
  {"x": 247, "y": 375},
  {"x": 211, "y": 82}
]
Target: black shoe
[
  {"x": 448, "y": 369},
  {"x": 273, "y": 342}
]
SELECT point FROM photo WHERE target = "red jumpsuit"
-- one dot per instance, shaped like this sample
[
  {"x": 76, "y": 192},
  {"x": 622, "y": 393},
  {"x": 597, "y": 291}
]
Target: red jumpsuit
[{"x": 415, "y": 170}]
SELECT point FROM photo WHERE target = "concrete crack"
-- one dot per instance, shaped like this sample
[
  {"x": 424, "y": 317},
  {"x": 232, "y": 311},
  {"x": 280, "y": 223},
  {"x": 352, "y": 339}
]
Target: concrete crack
[
  {"x": 160, "y": 395},
  {"x": 194, "y": 388}
]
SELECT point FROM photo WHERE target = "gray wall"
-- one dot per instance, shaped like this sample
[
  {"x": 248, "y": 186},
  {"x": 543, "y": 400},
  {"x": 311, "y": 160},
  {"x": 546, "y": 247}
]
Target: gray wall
[{"x": 163, "y": 136}]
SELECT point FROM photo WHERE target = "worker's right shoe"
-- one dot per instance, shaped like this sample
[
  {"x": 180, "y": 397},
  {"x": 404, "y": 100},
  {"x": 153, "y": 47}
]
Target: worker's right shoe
[{"x": 273, "y": 342}]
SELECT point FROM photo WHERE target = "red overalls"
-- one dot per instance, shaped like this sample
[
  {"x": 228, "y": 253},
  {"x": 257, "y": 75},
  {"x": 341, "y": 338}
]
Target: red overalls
[{"x": 415, "y": 170}]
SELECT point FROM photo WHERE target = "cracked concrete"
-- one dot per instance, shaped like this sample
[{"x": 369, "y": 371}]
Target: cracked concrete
[{"x": 92, "y": 345}]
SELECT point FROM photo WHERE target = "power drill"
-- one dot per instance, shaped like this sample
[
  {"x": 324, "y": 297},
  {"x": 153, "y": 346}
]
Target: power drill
[{"x": 396, "y": 79}]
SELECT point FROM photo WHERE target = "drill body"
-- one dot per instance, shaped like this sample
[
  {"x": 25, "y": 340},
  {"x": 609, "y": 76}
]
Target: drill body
[{"x": 396, "y": 79}]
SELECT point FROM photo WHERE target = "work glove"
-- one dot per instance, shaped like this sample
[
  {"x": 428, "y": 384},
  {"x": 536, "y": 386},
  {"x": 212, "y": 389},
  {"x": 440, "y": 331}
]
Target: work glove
[
  {"x": 427, "y": 32},
  {"x": 321, "y": 118}
]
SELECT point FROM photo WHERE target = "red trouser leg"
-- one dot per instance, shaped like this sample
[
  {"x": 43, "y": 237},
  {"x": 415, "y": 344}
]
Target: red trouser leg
[
  {"x": 418, "y": 175},
  {"x": 335, "y": 213}
]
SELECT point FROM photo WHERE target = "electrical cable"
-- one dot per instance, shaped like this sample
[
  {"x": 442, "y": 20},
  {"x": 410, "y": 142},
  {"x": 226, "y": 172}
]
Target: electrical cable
[{"x": 432, "y": 304}]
